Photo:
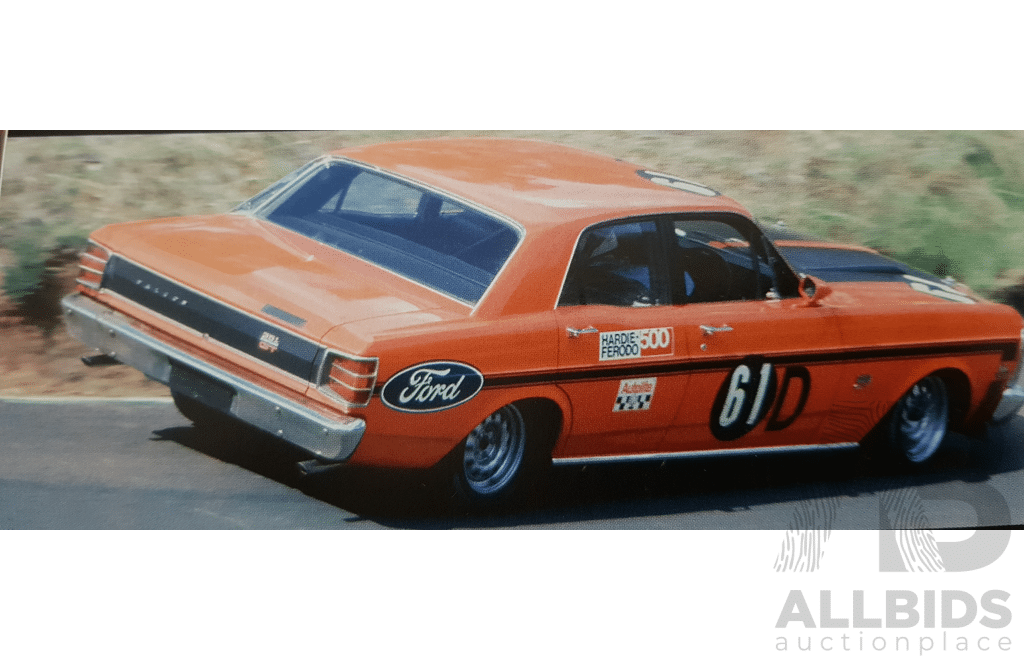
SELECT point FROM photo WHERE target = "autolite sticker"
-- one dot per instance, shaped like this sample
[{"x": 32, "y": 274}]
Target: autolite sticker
[
  {"x": 632, "y": 344},
  {"x": 635, "y": 394}
]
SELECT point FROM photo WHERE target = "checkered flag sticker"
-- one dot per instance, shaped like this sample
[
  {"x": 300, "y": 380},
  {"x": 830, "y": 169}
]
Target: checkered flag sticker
[{"x": 635, "y": 394}]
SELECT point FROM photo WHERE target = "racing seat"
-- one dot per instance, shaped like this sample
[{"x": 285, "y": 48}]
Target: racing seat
[
  {"x": 700, "y": 276},
  {"x": 616, "y": 272}
]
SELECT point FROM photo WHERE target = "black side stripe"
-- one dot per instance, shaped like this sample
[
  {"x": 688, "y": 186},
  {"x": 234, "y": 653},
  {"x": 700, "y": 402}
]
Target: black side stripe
[{"x": 1007, "y": 350}]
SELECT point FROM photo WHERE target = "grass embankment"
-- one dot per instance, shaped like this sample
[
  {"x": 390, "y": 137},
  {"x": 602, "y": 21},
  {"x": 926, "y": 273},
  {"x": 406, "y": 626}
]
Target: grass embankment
[{"x": 948, "y": 202}]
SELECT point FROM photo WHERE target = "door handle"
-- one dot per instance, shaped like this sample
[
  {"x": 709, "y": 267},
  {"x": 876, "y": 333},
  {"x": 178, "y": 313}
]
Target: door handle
[
  {"x": 574, "y": 333},
  {"x": 710, "y": 330}
]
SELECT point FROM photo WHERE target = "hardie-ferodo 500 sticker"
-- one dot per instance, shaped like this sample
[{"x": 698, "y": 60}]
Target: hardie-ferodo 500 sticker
[
  {"x": 432, "y": 386},
  {"x": 748, "y": 395},
  {"x": 632, "y": 344}
]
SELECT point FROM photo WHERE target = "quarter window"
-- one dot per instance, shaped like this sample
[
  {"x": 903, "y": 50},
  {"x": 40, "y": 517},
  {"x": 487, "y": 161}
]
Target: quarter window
[{"x": 613, "y": 266}]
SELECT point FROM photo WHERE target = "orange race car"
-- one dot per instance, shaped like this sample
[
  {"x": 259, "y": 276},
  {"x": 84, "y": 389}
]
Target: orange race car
[{"x": 489, "y": 306}]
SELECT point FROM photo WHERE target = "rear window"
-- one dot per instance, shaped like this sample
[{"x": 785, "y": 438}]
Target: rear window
[{"x": 438, "y": 242}]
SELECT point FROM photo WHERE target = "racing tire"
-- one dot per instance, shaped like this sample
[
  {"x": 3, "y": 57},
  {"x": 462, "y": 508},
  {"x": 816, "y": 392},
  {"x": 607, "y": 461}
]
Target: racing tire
[
  {"x": 497, "y": 461},
  {"x": 919, "y": 422}
]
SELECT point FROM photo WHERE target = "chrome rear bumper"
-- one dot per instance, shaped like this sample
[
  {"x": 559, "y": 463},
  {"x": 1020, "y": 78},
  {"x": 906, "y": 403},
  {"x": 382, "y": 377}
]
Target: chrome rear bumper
[{"x": 333, "y": 438}]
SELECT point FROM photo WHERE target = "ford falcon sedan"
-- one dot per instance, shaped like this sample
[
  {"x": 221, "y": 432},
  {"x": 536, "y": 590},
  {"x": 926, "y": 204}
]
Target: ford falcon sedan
[{"x": 487, "y": 307}]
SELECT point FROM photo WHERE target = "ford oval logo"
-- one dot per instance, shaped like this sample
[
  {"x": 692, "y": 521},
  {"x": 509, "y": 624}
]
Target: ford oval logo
[{"x": 432, "y": 386}]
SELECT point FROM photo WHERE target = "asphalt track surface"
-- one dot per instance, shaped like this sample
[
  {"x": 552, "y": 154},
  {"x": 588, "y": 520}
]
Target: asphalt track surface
[{"x": 141, "y": 465}]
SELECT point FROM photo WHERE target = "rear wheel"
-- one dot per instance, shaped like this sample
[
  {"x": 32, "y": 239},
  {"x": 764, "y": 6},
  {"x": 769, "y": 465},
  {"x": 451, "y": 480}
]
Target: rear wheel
[
  {"x": 497, "y": 459},
  {"x": 919, "y": 422}
]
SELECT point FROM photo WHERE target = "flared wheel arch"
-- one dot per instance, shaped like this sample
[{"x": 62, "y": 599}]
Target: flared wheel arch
[
  {"x": 958, "y": 387},
  {"x": 958, "y": 392},
  {"x": 536, "y": 423}
]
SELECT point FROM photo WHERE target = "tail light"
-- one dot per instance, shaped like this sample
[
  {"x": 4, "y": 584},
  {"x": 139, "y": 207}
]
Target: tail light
[
  {"x": 351, "y": 379},
  {"x": 91, "y": 266}
]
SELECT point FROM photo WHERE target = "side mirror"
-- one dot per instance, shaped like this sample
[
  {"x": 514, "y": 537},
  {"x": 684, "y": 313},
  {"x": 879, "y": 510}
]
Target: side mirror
[{"x": 813, "y": 290}]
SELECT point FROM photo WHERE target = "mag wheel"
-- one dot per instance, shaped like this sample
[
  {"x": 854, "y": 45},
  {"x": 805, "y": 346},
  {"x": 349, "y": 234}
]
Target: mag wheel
[
  {"x": 493, "y": 458},
  {"x": 920, "y": 420}
]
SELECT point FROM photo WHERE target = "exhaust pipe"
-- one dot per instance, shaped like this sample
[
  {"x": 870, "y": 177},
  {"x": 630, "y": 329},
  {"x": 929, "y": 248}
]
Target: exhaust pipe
[
  {"x": 101, "y": 360},
  {"x": 313, "y": 467}
]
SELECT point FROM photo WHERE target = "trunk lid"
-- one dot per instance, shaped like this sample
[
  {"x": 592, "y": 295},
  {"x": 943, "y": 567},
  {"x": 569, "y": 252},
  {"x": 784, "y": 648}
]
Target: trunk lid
[{"x": 262, "y": 289}]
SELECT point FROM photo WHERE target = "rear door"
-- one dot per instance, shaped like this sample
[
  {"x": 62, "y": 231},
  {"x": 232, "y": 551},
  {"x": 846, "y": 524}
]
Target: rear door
[{"x": 619, "y": 348}]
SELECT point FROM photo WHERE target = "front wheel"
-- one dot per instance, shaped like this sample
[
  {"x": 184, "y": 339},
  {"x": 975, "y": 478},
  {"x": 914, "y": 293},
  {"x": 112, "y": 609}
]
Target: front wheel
[
  {"x": 495, "y": 460},
  {"x": 919, "y": 422}
]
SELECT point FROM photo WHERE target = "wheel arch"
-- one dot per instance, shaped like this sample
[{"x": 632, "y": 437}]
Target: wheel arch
[
  {"x": 496, "y": 464},
  {"x": 958, "y": 387},
  {"x": 545, "y": 420},
  {"x": 958, "y": 390},
  {"x": 547, "y": 412}
]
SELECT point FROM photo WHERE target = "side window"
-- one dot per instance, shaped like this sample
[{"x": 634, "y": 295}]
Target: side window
[
  {"x": 612, "y": 266},
  {"x": 711, "y": 261}
]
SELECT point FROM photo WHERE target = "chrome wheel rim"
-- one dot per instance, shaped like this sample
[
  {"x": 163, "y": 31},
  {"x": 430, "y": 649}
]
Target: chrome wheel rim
[
  {"x": 494, "y": 451},
  {"x": 920, "y": 419}
]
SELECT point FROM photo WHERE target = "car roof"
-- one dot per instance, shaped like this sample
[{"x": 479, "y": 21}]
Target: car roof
[{"x": 539, "y": 183}]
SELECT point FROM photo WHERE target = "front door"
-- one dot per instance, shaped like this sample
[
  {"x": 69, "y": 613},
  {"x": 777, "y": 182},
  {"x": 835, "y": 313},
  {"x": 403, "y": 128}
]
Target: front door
[
  {"x": 762, "y": 374},
  {"x": 762, "y": 361}
]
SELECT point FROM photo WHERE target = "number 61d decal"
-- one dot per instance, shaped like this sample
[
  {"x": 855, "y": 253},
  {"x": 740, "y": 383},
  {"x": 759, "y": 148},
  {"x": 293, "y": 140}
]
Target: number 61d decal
[{"x": 748, "y": 394}]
